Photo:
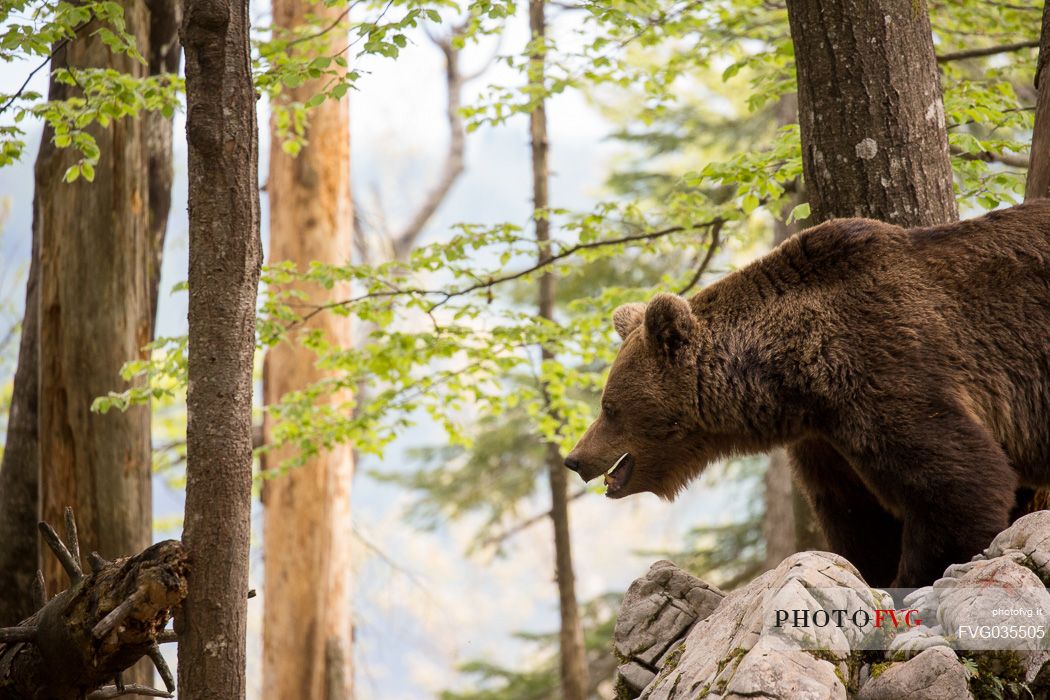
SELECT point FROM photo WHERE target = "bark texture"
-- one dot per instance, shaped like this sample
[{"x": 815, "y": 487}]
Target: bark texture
[
  {"x": 870, "y": 110},
  {"x": 307, "y": 624},
  {"x": 1038, "y": 184},
  {"x": 95, "y": 314},
  {"x": 224, "y": 261},
  {"x": 573, "y": 655}
]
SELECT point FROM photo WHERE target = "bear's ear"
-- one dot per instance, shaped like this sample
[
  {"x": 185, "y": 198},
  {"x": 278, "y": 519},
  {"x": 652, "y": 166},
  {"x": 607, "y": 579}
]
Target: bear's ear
[
  {"x": 628, "y": 317},
  {"x": 671, "y": 325}
]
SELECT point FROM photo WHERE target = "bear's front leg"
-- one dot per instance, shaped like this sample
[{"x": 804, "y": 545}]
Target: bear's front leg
[
  {"x": 852, "y": 519},
  {"x": 949, "y": 480}
]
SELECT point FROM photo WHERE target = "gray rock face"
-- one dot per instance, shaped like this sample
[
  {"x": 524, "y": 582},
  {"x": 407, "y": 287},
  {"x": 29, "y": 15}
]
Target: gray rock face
[
  {"x": 935, "y": 674},
  {"x": 1029, "y": 537},
  {"x": 657, "y": 611},
  {"x": 678, "y": 637}
]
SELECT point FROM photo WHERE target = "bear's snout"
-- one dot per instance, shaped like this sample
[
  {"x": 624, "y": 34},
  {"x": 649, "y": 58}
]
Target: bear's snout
[{"x": 572, "y": 464}]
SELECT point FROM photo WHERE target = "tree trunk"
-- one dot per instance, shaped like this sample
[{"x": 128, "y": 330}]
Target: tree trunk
[
  {"x": 95, "y": 315},
  {"x": 1038, "y": 184},
  {"x": 163, "y": 57},
  {"x": 307, "y": 626},
  {"x": 224, "y": 260},
  {"x": 573, "y": 655},
  {"x": 20, "y": 469},
  {"x": 874, "y": 144}
]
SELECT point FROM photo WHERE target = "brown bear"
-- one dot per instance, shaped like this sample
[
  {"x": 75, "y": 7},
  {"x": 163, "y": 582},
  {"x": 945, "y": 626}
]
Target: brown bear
[{"x": 907, "y": 371}]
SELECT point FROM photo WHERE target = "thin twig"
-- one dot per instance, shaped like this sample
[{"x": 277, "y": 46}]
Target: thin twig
[
  {"x": 990, "y": 156},
  {"x": 116, "y": 616},
  {"x": 386, "y": 558},
  {"x": 39, "y": 589},
  {"x": 987, "y": 51},
  {"x": 712, "y": 248},
  {"x": 510, "y": 277},
  {"x": 1005, "y": 111},
  {"x": 71, "y": 566},
  {"x": 72, "y": 540},
  {"x": 518, "y": 528},
  {"x": 162, "y": 667},
  {"x": 321, "y": 32},
  {"x": 454, "y": 165},
  {"x": 21, "y": 89}
]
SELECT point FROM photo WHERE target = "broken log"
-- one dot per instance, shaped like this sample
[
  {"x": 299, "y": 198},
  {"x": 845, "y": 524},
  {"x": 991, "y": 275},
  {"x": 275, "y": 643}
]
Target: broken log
[{"x": 79, "y": 642}]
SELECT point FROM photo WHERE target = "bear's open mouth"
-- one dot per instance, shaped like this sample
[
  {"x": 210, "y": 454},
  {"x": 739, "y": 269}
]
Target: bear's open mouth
[{"x": 620, "y": 473}]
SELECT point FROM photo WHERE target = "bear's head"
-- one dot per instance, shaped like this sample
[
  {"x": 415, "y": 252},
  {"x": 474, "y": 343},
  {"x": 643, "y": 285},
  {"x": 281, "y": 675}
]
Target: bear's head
[{"x": 645, "y": 437}]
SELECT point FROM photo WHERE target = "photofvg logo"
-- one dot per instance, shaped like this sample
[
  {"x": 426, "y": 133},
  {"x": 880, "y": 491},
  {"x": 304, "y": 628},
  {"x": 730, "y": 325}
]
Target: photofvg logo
[
  {"x": 875, "y": 619},
  {"x": 988, "y": 617}
]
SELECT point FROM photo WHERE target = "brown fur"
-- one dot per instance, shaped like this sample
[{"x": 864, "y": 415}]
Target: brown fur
[{"x": 906, "y": 371}]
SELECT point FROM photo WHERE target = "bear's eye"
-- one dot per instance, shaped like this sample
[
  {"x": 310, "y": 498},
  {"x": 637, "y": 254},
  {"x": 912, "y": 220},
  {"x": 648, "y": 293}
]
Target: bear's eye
[{"x": 609, "y": 412}]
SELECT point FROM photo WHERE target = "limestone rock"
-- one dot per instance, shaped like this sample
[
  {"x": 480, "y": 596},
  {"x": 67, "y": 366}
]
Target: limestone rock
[
  {"x": 935, "y": 674},
  {"x": 1029, "y": 536},
  {"x": 739, "y": 651},
  {"x": 678, "y": 637},
  {"x": 656, "y": 612}
]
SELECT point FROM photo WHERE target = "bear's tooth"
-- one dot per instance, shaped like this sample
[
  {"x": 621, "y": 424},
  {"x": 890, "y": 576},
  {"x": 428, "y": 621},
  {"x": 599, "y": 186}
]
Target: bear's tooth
[{"x": 618, "y": 463}]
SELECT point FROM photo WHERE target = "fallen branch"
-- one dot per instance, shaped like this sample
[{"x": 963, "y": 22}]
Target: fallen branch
[{"x": 79, "y": 642}]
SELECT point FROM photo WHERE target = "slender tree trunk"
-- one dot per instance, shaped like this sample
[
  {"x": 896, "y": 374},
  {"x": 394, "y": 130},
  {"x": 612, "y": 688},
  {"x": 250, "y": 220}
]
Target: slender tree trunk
[
  {"x": 1038, "y": 184},
  {"x": 874, "y": 144},
  {"x": 20, "y": 470},
  {"x": 307, "y": 626},
  {"x": 95, "y": 315},
  {"x": 224, "y": 255},
  {"x": 573, "y": 656},
  {"x": 165, "y": 16}
]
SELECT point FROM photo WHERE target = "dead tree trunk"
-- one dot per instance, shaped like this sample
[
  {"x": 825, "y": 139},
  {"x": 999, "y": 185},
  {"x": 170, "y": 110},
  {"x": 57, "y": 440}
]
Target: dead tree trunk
[
  {"x": 307, "y": 625},
  {"x": 104, "y": 229},
  {"x": 224, "y": 261},
  {"x": 874, "y": 145},
  {"x": 573, "y": 654},
  {"x": 95, "y": 315}
]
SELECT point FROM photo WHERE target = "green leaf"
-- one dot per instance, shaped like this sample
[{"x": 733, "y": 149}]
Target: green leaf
[{"x": 799, "y": 213}]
